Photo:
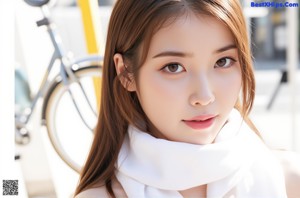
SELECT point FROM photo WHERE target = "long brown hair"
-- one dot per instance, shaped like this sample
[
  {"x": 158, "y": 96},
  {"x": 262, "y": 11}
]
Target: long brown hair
[{"x": 132, "y": 25}]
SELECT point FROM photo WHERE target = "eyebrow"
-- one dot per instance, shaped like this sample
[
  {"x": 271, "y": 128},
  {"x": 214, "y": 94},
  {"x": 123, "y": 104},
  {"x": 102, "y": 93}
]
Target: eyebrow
[
  {"x": 228, "y": 47},
  {"x": 182, "y": 54},
  {"x": 172, "y": 53}
]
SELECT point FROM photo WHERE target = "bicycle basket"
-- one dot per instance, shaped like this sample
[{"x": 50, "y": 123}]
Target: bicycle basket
[{"x": 36, "y": 3}]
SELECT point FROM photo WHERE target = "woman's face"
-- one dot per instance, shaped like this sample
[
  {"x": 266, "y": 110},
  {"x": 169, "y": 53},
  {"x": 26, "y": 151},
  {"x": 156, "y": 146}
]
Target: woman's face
[{"x": 191, "y": 79}]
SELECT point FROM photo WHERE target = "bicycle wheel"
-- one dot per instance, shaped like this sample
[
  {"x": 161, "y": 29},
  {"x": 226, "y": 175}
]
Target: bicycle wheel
[{"x": 71, "y": 132}]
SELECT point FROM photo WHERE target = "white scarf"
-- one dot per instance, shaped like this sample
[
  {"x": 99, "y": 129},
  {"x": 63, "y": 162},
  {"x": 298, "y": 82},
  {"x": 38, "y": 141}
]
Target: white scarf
[{"x": 237, "y": 162}]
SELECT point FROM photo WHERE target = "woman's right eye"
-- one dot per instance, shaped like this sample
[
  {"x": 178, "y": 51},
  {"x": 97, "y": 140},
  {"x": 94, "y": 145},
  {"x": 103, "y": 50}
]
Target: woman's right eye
[{"x": 173, "y": 68}]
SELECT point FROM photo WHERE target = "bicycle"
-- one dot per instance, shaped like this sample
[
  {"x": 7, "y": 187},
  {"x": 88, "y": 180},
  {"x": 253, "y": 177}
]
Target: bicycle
[{"x": 70, "y": 96}]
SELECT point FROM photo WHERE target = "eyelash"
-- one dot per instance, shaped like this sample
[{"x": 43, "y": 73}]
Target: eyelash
[
  {"x": 172, "y": 64},
  {"x": 232, "y": 61},
  {"x": 183, "y": 69}
]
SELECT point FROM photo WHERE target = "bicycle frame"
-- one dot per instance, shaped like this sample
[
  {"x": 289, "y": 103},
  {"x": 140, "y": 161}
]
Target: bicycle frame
[
  {"x": 70, "y": 83},
  {"x": 65, "y": 73},
  {"x": 58, "y": 54}
]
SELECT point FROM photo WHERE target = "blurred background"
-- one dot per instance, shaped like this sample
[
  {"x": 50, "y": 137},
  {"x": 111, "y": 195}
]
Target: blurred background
[{"x": 274, "y": 35}]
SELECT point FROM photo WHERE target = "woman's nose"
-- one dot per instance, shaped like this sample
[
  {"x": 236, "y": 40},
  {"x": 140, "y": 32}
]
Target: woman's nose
[{"x": 202, "y": 93}]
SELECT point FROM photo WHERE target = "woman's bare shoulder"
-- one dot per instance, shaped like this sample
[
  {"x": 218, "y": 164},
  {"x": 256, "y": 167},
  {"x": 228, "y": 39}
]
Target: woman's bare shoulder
[
  {"x": 93, "y": 193},
  {"x": 101, "y": 192}
]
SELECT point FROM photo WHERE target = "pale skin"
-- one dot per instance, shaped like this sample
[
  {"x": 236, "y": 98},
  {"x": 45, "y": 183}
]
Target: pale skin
[{"x": 192, "y": 69}]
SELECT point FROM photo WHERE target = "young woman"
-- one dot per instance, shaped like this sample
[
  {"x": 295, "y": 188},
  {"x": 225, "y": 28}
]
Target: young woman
[{"x": 178, "y": 86}]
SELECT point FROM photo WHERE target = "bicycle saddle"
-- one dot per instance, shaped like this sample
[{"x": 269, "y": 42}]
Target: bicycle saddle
[{"x": 36, "y": 3}]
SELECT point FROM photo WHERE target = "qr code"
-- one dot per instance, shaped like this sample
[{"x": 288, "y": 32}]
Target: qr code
[{"x": 10, "y": 187}]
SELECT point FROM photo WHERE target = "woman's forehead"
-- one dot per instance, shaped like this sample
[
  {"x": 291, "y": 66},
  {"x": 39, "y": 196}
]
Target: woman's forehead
[{"x": 191, "y": 32}]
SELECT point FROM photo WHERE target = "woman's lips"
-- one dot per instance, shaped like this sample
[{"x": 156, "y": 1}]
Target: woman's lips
[{"x": 200, "y": 122}]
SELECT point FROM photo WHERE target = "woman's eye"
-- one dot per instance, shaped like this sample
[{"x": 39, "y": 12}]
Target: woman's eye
[
  {"x": 225, "y": 62},
  {"x": 173, "y": 68}
]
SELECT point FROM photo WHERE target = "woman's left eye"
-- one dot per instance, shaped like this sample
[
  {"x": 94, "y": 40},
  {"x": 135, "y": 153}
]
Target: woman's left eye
[{"x": 225, "y": 62}]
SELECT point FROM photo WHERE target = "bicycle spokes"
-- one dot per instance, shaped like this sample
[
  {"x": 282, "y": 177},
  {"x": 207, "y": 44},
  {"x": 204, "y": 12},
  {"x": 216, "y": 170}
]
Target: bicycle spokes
[{"x": 83, "y": 104}]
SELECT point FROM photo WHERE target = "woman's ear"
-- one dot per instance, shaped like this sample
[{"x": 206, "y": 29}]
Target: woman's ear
[{"x": 128, "y": 83}]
